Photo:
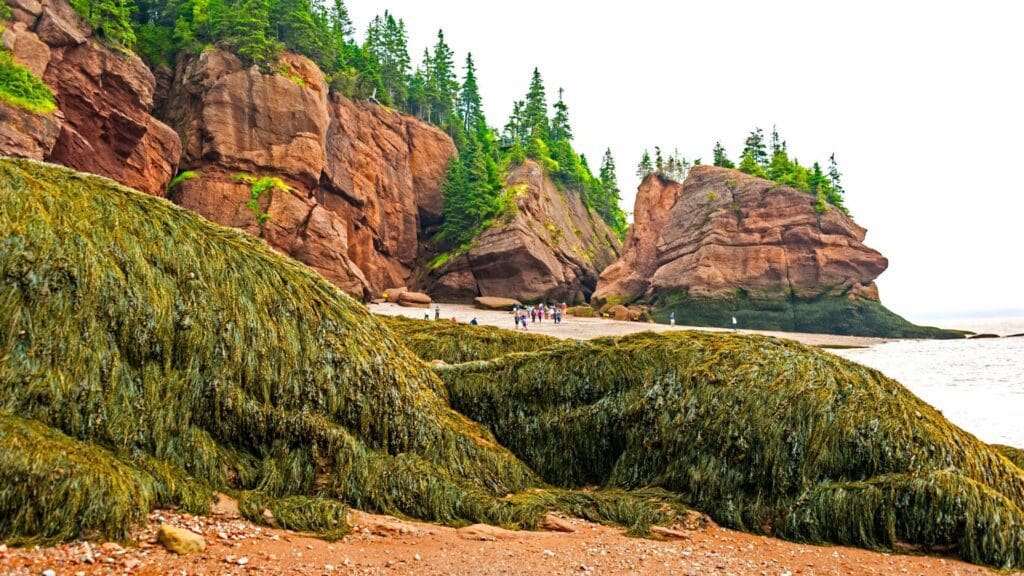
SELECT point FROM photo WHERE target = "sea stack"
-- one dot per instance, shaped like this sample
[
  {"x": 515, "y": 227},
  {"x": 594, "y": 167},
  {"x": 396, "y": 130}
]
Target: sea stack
[{"x": 724, "y": 244}]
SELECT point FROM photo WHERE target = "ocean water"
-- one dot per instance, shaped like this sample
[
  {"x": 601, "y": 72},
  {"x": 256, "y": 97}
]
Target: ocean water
[{"x": 977, "y": 384}]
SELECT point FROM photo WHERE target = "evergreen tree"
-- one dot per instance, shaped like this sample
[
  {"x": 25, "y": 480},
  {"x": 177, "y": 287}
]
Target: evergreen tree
[
  {"x": 301, "y": 29},
  {"x": 607, "y": 200},
  {"x": 560, "y": 128},
  {"x": 341, "y": 22},
  {"x": 515, "y": 129},
  {"x": 755, "y": 148},
  {"x": 387, "y": 45},
  {"x": 535, "y": 108},
  {"x": 835, "y": 192},
  {"x": 645, "y": 167},
  {"x": 110, "y": 19},
  {"x": 244, "y": 25},
  {"x": 720, "y": 157},
  {"x": 659, "y": 162},
  {"x": 441, "y": 83},
  {"x": 470, "y": 103}
]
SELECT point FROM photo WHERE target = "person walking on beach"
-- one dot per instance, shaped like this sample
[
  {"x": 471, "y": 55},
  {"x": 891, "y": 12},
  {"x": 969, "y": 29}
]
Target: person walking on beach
[
  {"x": 733, "y": 323},
  {"x": 426, "y": 315},
  {"x": 437, "y": 312},
  {"x": 533, "y": 314},
  {"x": 672, "y": 318},
  {"x": 522, "y": 320},
  {"x": 473, "y": 321}
]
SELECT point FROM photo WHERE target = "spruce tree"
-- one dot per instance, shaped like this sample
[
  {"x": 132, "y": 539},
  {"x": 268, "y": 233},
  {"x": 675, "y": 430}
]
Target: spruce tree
[
  {"x": 560, "y": 129},
  {"x": 720, "y": 157},
  {"x": 755, "y": 148},
  {"x": 535, "y": 109},
  {"x": 645, "y": 167},
  {"x": 442, "y": 84},
  {"x": 659, "y": 162},
  {"x": 470, "y": 103}
]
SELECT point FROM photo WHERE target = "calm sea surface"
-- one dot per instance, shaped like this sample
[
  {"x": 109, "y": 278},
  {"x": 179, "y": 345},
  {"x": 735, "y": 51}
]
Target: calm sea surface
[{"x": 977, "y": 384}]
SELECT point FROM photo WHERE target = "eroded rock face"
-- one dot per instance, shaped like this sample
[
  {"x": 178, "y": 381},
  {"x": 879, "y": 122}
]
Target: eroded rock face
[
  {"x": 722, "y": 231},
  {"x": 551, "y": 249},
  {"x": 103, "y": 124},
  {"x": 364, "y": 181}
]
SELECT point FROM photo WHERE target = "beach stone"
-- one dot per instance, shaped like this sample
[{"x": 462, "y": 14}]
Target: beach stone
[
  {"x": 555, "y": 524},
  {"x": 484, "y": 532},
  {"x": 496, "y": 303},
  {"x": 179, "y": 540},
  {"x": 393, "y": 294},
  {"x": 414, "y": 300}
]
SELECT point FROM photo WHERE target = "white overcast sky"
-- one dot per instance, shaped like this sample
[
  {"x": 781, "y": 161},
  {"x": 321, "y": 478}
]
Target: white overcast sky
[{"x": 920, "y": 101}]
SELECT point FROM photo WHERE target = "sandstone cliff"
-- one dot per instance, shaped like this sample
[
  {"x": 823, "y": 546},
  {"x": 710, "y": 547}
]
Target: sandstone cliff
[
  {"x": 103, "y": 123},
  {"x": 364, "y": 180},
  {"x": 551, "y": 249},
  {"x": 725, "y": 244}
]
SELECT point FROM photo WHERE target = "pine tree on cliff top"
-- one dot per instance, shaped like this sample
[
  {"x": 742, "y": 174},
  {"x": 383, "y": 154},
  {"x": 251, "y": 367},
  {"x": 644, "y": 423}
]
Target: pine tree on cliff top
[
  {"x": 535, "y": 109},
  {"x": 441, "y": 83},
  {"x": 607, "y": 200},
  {"x": 470, "y": 102},
  {"x": 560, "y": 128},
  {"x": 720, "y": 158},
  {"x": 645, "y": 167}
]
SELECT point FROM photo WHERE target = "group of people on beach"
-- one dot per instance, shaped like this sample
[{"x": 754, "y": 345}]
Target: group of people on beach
[{"x": 537, "y": 314}]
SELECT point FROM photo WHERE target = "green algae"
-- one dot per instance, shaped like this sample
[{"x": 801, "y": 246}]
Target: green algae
[
  {"x": 764, "y": 435},
  {"x": 168, "y": 357}
]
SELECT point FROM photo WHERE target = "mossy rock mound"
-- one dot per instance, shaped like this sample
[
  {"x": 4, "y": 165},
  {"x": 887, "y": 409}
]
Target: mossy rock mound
[
  {"x": 457, "y": 343},
  {"x": 765, "y": 435},
  {"x": 149, "y": 357}
]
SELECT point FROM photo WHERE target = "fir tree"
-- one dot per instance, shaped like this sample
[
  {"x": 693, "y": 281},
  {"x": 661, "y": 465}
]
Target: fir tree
[
  {"x": 720, "y": 157},
  {"x": 754, "y": 147},
  {"x": 560, "y": 128},
  {"x": 535, "y": 109},
  {"x": 659, "y": 162},
  {"x": 441, "y": 81},
  {"x": 645, "y": 167},
  {"x": 470, "y": 103}
]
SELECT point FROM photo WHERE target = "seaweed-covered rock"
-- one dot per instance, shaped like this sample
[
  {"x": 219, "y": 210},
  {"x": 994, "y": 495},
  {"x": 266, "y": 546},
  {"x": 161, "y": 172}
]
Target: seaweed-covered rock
[
  {"x": 765, "y": 435},
  {"x": 151, "y": 357}
]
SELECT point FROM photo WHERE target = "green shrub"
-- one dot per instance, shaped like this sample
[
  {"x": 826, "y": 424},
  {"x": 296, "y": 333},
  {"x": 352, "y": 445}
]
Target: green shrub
[
  {"x": 20, "y": 87},
  {"x": 183, "y": 177}
]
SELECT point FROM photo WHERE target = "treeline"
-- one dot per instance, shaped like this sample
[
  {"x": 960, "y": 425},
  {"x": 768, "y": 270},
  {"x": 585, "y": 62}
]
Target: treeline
[{"x": 769, "y": 160}]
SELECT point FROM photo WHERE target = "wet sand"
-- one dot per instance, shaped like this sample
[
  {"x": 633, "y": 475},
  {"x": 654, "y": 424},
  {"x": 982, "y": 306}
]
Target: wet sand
[{"x": 587, "y": 328}]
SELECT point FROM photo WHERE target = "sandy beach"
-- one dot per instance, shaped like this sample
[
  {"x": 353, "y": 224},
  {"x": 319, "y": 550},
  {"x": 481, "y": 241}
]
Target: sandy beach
[{"x": 586, "y": 328}]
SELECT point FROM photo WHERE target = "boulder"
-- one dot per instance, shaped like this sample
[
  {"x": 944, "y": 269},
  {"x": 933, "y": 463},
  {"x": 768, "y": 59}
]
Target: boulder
[
  {"x": 26, "y": 48},
  {"x": 496, "y": 303},
  {"x": 551, "y": 248},
  {"x": 618, "y": 312},
  {"x": 553, "y": 523},
  {"x": 414, "y": 300},
  {"x": 393, "y": 294},
  {"x": 581, "y": 311},
  {"x": 179, "y": 540}
]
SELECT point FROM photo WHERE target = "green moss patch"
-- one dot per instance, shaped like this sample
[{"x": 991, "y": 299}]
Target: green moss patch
[{"x": 20, "y": 87}]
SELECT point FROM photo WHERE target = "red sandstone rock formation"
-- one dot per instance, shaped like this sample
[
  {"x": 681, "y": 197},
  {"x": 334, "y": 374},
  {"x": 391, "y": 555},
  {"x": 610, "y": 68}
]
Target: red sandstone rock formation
[
  {"x": 103, "y": 124},
  {"x": 552, "y": 248},
  {"x": 722, "y": 231},
  {"x": 363, "y": 180}
]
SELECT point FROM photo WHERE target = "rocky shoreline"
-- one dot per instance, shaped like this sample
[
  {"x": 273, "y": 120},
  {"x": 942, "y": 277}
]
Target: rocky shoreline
[{"x": 386, "y": 545}]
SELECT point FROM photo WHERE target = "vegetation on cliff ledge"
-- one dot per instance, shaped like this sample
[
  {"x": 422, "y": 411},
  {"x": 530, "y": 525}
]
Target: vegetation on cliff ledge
[
  {"x": 23, "y": 89},
  {"x": 149, "y": 358}
]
